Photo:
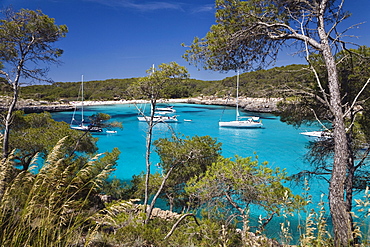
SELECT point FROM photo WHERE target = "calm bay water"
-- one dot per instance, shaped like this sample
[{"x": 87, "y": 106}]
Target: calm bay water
[{"x": 279, "y": 144}]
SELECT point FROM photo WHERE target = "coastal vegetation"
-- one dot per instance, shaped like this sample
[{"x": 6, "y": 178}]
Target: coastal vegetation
[
  {"x": 37, "y": 134},
  {"x": 66, "y": 203},
  {"x": 275, "y": 82},
  {"x": 56, "y": 191},
  {"x": 250, "y": 34},
  {"x": 26, "y": 39}
]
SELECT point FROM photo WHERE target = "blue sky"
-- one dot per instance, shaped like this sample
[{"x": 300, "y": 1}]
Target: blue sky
[{"x": 124, "y": 38}]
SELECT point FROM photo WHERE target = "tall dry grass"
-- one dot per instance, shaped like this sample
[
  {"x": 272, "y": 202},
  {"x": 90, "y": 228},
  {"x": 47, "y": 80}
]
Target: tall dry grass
[
  {"x": 52, "y": 207},
  {"x": 55, "y": 207}
]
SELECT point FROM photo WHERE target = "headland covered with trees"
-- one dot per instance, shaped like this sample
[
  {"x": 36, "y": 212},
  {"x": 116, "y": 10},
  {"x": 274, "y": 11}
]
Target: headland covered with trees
[
  {"x": 271, "y": 83},
  {"x": 71, "y": 200},
  {"x": 259, "y": 91}
]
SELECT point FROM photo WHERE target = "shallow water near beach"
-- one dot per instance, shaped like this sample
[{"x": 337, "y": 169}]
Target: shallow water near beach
[{"x": 279, "y": 144}]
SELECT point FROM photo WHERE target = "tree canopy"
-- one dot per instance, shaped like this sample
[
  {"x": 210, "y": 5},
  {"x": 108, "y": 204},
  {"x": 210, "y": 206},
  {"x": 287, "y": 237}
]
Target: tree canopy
[
  {"x": 249, "y": 34},
  {"x": 38, "y": 134},
  {"x": 274, "y": 82},
  {"x": 231, "y": 187},
  {"x": 187, "y": 157},
  {"x": 26, "y": 40}
]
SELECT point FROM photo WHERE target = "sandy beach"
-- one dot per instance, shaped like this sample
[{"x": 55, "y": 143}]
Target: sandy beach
[
  {"x": 113, "y": 102},
  {"x": 248, "y": 104}
]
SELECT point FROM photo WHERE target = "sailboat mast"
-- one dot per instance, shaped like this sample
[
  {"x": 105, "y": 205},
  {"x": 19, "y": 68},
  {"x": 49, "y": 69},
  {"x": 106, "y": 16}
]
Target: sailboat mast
[
  {"x": 152, "y": 96},
  {"x": 82, "y": 102},
  {"x": 237, "y": 96}
]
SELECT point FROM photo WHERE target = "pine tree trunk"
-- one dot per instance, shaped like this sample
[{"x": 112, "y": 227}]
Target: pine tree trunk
[
  {"x": 9, "y": 115},
  {"x": 159, "y": 191},
  {"x": 7, "y": 123},
  {"x": 147, "y": 160},
  {"x": 338, "y": 207},
  {"x": 148, "y": 152}
]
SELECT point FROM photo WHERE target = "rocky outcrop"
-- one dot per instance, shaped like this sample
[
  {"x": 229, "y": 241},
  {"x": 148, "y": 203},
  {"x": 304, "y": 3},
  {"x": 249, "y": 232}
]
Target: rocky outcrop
[
  {"x": 164, "y": 214},
  {"x": 48, "y": 108},
  {"x": 33, "y": 106},
  {"x": 248, "y": 104}
]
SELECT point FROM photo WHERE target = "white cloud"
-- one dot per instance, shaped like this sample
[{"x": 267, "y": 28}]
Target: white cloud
[
  {"x": 204, "y": 8},
  {"x": 140, "y": 5}
]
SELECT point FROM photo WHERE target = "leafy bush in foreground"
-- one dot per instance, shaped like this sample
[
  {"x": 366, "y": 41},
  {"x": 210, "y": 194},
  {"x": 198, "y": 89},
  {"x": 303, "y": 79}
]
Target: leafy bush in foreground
[{"x": 59, "y": 207}]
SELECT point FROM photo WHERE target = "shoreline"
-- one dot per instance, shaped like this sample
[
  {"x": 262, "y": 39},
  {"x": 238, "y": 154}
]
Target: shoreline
[
  {"x": 263, "y": 105},
  {"x": 249, "y": 104},
  {"x": 118, "y": 102}
]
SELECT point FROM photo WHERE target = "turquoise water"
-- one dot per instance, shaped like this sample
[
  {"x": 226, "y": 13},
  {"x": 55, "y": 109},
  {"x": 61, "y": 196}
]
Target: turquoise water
[{"x": 279, "y": 144}]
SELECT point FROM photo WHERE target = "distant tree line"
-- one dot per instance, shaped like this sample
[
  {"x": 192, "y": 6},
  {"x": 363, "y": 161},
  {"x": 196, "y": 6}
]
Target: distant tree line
[{"x": 273, "y": 82}]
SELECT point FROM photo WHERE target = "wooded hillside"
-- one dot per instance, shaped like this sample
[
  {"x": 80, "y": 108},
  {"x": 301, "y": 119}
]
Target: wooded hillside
[{"x": 276, "y": 82}]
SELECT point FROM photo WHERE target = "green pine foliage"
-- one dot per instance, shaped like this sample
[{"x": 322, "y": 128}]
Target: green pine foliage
[
  {"x": 275, "y": 82},
  {"x": 58, "y": 206},
  {"x": 231, "y": 187},
  {"x": 34, "y": 133}
]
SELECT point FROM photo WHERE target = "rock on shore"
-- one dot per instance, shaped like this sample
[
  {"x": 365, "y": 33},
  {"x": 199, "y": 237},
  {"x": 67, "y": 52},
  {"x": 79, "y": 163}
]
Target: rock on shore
[
  {"x": 33, "y": 106},
  {"x": 248, "y": 104}
]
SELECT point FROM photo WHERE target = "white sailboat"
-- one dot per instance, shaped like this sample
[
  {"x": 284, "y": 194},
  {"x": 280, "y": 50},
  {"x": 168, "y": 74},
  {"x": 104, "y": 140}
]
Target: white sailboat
[
  {"x": 81, "y": 125},
  {"x": 248, "y": 122},
  {"x": 159, "y": 117},
  {"x": 164, "y": 110}
]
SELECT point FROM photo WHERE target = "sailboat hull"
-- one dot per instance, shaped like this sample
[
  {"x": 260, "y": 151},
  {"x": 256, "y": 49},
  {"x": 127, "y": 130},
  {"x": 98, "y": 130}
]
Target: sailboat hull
[
  {"x": 159, "y": 119},
  {"x": 241, "y": 124},
  {"x": 87, "y": 128},
  {"x": 251, "y": 122}
]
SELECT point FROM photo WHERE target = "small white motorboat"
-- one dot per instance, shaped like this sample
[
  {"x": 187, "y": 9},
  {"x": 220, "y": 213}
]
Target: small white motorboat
[{"x": 317, "y": 135}]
